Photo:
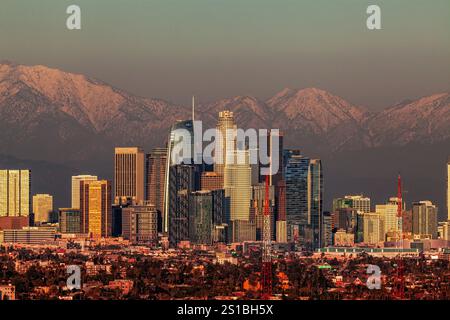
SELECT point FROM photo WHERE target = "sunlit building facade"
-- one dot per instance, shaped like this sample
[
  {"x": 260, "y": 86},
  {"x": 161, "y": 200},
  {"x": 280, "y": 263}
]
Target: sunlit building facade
[
  {"x": 42, "y": 207},
  {"x": 15, "y": 197},
  {"x": 129, "y": 174},
  {"x": 95, "y": 201},
  {"x": 76, "y": 188}
]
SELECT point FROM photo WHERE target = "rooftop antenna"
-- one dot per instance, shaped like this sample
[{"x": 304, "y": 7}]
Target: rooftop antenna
[{"x": 193, "y": 108}]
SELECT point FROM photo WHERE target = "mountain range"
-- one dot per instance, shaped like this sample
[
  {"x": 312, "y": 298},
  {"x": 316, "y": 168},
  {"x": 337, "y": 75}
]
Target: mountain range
[{"x": 55, "y": 117}]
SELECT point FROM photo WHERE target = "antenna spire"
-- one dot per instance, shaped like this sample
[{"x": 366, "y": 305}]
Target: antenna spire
[{"x": 193, "y": 108}]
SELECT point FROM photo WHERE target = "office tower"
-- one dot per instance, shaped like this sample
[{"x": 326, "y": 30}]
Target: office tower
[
  {"x": 181, "y": 140},
  {"x": 139, "y": 223},
  {"x": 346, "y": 219},
  {"x": 211, "y": 181},
  {"x": 76, "y": 188},
  {"x": 183, "y": 180},
  {"x": 372, "y": 228},
  {"x": 448, "y": 189},
  {"x": 70, "y": 220},
  {"x": 221, "y": 216},
  {"x": 327, "y": 229},
  {"x": 280, "y": 200},
  {"x": 117, "y": 214},
  {"x": 227, "y": 144},
  {"x": 274, "y": 151},
  {"x": 257, "y": 209},
  {"x": 201, "y": 217},
  {"x": 155, "y": 164},
  {"x": 407, "y": 224},
  {"x": 129, "y": 174},
  {"x": 424, "y": 220},
  {"x": 388, "y": 213},
  {"x": 15, "y": 196},
  {"x": 358, "y": 202},
  {"x": 304, "y": 198},
  {"x": 296, "y": 176},
  {"x": 95, "y": 202},
  {"x": 42, "y": 207},
  {"x": 315, "y": 195},
  {"x": 237, "y": 185}
]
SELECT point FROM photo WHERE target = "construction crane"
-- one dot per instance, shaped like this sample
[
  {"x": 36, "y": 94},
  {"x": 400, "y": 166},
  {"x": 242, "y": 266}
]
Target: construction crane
[{"x": 266, "y": 271}]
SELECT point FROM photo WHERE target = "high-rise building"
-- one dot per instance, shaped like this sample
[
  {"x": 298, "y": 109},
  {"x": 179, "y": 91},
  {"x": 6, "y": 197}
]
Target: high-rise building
[
  {"x": 372, "y": 228},
  {"x": 76, "y": 188},
  {"x": 296, "y": 176},
  {"x": 257, "y": 209},
  {"x": 129, "y": 174},
  {"x": 237, "y": 185},
  {"x": 70, "y": 220},
  {"x": 304, "y": 198},
  {"x": 181, "y": 140},
  {"x": 155, "y": 164},
  {"x": 42, "y": 207},
  {"x": 201, "y": 217},
  {"x": 388, "y": 214},
  {"x": 346, "y": 219},
  {"x": 184, "y": 179},
  {"x": 95, "y": 202},
  {"x": 424, "y": 220},
  {"x": 15, "y": 196},
  {"x": 280, "y": 200},
  {"x": 139, "y": 223},
  {"x": 327, "y": 229},
  {"x": 117, "y": 214},
  {"x": 227, "y": 144},
  {"x": 358, "y": 202},
  {"x": 315, "y": 186}
]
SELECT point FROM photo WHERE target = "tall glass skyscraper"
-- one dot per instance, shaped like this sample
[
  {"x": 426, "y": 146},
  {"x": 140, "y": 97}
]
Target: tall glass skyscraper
[
  {"x": 15, "y": 198},
  {"x": 304, "y": 198},
  {"x": 181, "y": 138}
]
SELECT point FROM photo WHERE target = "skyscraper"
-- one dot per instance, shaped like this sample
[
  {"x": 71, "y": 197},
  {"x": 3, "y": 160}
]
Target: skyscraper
[
  {"x": 315, "y": 194},
  {"x": 42, "y": 207},
  {"x": 76, "y": 188},
  {"x": 155, "y": 177},
  {"x": 15, "y": 197},
  {"x": 237, "y": 185},
  {"x": 139, "y": 223},
  {"x": 226, "y": 127},
  {"x": 95, "y": 201},
  {"x": 70, "y": 220},
  {"x": 372, "y": 228},
  {"x": 388, "y": 214},
  {"x": 201, "y": 217},
  {"x": 257, "y": 209},
  {"x": 358, "y": 202},
  {"x": 424, "y": 220},
  {"x": 184, "y": 179},
  {"x": 304, "y": 198},
  {"x": 129, "y": 174},
  {"x": 181, "y": 139}
]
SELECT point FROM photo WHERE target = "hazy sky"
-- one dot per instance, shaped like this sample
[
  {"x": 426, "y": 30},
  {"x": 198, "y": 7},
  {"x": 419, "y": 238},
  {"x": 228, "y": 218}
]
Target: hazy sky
[{"x": 214, "y": 49}]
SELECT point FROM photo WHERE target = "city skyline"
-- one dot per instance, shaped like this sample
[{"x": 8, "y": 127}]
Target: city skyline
[{"x": 248, "y": 152}]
